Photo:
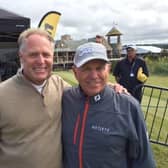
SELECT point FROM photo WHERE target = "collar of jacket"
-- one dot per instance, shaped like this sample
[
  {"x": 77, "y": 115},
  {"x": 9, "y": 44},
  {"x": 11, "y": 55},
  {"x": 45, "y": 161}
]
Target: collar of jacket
[
  {"x": 20, "y": 76},
  {"x": 98, "y": 98},
  {"x": 22, "y": 79},
  {"x": 128, "y": 62}
]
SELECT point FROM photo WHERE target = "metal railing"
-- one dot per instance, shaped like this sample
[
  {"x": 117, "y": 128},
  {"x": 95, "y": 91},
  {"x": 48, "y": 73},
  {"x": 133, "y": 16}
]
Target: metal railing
[{"x": 155, "y": 107}]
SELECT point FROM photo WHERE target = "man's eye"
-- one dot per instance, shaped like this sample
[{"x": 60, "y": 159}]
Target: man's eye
[
  {"x": 85, "y": 69},
  {"x": 100, "y": 68},
  {"x": 46, "y": 55},
  {"x": 33, "y": 55}
]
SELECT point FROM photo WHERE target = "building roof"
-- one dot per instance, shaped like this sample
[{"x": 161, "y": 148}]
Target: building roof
[
  {"x": 114, "y": 32},
  {"x": 144, "y": 49},
  {"x": 104, "y": 42},
  {"x": 71, "y": 45},
  {"x": 68, "y": 45}
]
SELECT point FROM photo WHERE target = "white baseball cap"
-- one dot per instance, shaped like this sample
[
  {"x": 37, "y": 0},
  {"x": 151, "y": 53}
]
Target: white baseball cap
[
  {"x": 131, "y": 47},
  {"x": 89, "y": 51}
]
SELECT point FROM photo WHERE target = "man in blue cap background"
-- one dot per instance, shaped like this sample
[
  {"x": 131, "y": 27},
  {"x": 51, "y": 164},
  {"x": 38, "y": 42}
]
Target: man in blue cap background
[{"x": 132, "y": 72}]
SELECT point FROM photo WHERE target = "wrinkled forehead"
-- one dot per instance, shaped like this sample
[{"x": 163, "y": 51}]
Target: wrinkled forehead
[{"x": 34, "y": 40}]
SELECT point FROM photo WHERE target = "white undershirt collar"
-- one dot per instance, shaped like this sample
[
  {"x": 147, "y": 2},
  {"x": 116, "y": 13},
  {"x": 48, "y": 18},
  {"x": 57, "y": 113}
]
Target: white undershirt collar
[{"x": 39, "y": 88}]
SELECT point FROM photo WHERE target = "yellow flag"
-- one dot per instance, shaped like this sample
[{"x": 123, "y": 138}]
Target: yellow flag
[{"x": 49, "y": 22}]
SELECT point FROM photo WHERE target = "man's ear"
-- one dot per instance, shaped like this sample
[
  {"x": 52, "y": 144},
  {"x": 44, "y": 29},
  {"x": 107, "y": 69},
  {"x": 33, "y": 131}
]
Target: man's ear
[
  {"x": 74, "y": 69},
  {"x": 109, "y": 67},
  {"x": 20, "y": 55}
]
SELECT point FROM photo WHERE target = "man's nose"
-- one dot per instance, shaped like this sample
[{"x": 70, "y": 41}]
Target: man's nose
[
  {"x": 93, "y": 74},
  {"x": 41, "y": 58}
]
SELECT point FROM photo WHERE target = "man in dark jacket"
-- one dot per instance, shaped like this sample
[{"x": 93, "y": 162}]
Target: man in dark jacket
[
  {"x": 132, "y": 72},
  {"x": 101, "y": 129}
]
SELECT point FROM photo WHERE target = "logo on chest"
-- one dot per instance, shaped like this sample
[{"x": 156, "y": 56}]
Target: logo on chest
[{"x": 101, "y": 129}]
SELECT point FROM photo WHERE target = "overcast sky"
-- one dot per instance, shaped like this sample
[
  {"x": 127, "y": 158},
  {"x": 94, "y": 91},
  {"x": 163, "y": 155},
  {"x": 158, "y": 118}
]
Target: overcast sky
[{"x": 142, "y": 21}]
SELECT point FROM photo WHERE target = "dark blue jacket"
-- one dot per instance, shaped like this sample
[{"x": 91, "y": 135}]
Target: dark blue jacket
[
  {"x": 127, "y": 73},
  {"x": 104, "y": 131}
]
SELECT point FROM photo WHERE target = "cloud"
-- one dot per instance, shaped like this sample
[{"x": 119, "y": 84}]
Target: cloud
[{"x": 141, "y": 21}]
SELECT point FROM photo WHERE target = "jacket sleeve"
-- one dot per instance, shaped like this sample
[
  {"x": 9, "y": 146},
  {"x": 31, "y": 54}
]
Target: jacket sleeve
[{"x": 139, "y": 149}]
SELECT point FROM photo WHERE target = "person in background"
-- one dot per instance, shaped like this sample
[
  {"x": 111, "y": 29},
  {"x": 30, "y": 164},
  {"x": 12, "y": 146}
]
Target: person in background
[
  {"x": 101, "y": 129},
  {"x": 99, "y": 39},
  {"x": 30, "y": 107},
  {"x": 131, "y": 72}
]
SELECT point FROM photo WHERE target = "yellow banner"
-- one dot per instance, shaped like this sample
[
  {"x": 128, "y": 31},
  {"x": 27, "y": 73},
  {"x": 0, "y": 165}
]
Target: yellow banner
[{"x": 49, "y": 22}]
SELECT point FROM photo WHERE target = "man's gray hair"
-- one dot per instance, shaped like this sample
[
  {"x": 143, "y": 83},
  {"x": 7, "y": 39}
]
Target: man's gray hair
[{"x": 28, "y": 32}]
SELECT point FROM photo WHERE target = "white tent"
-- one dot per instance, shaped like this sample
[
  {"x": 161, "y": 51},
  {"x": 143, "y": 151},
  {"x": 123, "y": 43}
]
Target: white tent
[{"x": 144, "y": 50}]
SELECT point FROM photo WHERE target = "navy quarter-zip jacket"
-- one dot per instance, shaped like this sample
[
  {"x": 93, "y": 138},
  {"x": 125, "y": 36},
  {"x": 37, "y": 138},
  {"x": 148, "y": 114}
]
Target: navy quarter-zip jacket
[{"x": 104, "y": 131}]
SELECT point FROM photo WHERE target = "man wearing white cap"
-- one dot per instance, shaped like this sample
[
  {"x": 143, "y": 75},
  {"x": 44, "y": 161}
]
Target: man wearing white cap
[
  {"x": 132, "y": 72},
  {"x": 101, "y": 129}
]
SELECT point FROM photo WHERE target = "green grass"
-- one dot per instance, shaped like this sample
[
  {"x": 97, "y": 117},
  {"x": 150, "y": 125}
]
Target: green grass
[
  {"x": 161, "y": 81},
  {"x": 156, "y": 111},
  {"x": 160, "y": 152},
  {"x": 67, "y": 76}
]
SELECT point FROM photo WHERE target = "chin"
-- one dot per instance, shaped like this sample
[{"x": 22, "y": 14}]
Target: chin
[
  {"x": 39, "y": 80},
  {"x": 42, "y": 76}
]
